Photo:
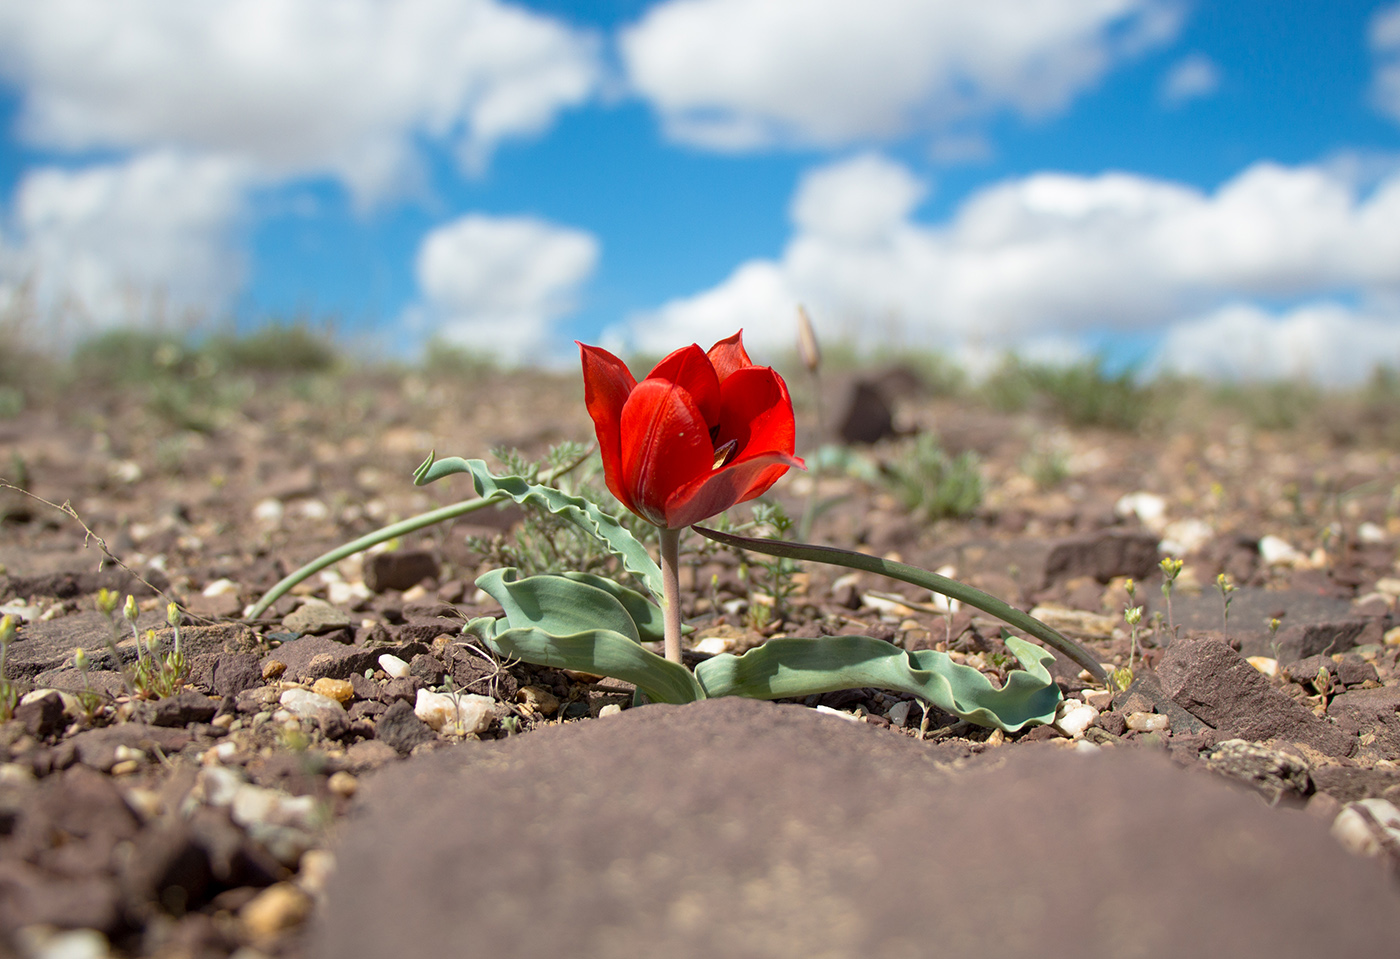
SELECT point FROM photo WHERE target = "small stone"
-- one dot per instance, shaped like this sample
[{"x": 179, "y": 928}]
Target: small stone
[
  {"x": 1274, "y": 551},
  {"x": 269, "y": 511},
  {"x": 316, "y": 867},
  {"x": 315, "y": 617},
  {"x": 41, "y": 715},
  {"x": 183, "y": 708},
  {"x": 714, "y": 645},
  {"x": 45, "y": 942},
  {"x": 272, "y": 669},
  {"x": 611, "y": 709},
  {"x": 338, "y": 689},
  {"x": 539, "y": 699},
  {"x": 342, "y": 783},
  {"x": 1265, "y": 664},
  {"x": 1149, "y": 509},
  {"x": 1100, "y": 699},
  {"x": 399, "y": 728},
  {"x": 898, "y": 714},
  {"x": 125, "y": 767},
  {"x": 457, "y": 713},
  {"x": 220, "y": 587},
  {"x": 1073, "y": 717},
  {"x": 399, "y": 569},
  {"x": 276, "y": 909},
  {"x": 1148, "y": 722},
  {"x": 1368, "y": 826},
  {"x": 396, "y": 668},
  {"x": 307, "y": 704}
]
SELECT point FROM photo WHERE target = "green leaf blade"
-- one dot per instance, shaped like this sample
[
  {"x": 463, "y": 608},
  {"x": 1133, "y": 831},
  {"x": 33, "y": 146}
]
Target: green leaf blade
[
  {"x": 604, "y": 653},
  {"x": 783, "y": 668},
  {"x": 581, "y": 512}
]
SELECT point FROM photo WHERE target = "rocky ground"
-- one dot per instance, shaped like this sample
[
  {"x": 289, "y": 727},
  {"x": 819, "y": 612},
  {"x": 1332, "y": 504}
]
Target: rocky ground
[{"x": 210, "y": 821}]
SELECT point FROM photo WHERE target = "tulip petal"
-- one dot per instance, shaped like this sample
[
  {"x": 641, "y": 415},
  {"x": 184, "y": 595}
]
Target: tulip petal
[
  {"x": 728, "y": 355},
  {"x": 665, "y": 444},
  {"x": 705, "y": 496},
  {"x": 756, "y": 411},
  {"x": 606, "y": 385},
  {"x": 690, "y": 369}
]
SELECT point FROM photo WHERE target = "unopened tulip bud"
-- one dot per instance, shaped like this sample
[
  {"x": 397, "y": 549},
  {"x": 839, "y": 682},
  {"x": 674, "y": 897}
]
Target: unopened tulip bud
[{"x": 807, "y": 347}]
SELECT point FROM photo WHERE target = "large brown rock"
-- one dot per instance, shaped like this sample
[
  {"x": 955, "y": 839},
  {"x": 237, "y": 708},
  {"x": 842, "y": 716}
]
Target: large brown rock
[
  {"x": 1215, "y": 684},
  {"x": 743, "y": 829}
]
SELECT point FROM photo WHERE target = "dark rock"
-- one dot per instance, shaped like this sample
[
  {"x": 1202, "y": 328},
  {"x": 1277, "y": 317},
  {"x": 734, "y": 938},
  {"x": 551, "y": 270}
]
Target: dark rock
[
  {"x": 427, "y": 669},
  {"x": 29, "y": 897},
  {"x": 1112, "y": 721},
  {"x": 1305, "y": 671},
  {"x": 334, "y": 723},
  {"x": 1371, "y": 713},
  {"x": 1275, "y": 774},
  {"x": 427, "y": 630},
  {"x": 316, "y": 617},
  {"x": 73, "y": 824},
  {"x": 1350, "y": 783},
  {"x": 1103, "y": 555},
  {"x": 402, "y": 730},
  {"x": 97, "y": 747},
  {"x": 1299, "y": 642},
  {"x": 401, "y": 689},
  {"x": 222, "y": 606},
  {"x": 762, "y": 830},
  {"x": 1145, "y": 695},
  {"x": 365, "y": 709},
  {"x": 234, "y": 859},
  {"x": 235, "y": 672},
  {"x": 400, "y": 569},
  {"x": 311, "y": 657},
  {"x": 1212, "y": 682},
  {"x": 1353, "y": 671},
  {"x": 184, "y": 708},
  {"x": 40, "y": 647},
  {"x": 865, "y": 415},
  {"x": 369, "y": 754},
  {"x": 474, "y": 673},
  {"x": 43, "y": 717},
  {"x": 166, "y": 867}
]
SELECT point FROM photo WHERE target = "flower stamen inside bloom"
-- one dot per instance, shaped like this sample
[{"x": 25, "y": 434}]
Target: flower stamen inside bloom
[{"x": 723, "y": 453}]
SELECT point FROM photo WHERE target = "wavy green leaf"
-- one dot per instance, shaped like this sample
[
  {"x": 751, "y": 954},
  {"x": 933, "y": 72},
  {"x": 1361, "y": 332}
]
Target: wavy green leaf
[
  {"x": 783, "y": 668},
  {"x": 646, "y": 614},
  {"x": 605, "y": 653},
  {"x": 582, "y": 513},
  {"x": 557, "y": 605}
]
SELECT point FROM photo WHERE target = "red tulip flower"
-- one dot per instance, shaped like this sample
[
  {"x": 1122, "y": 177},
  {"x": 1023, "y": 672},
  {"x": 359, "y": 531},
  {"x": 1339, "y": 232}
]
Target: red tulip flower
[{"x": 702, "y": 432}]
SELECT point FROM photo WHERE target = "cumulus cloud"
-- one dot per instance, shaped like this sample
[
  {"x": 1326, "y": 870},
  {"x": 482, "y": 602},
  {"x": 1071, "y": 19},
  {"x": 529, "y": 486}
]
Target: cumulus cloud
[
  {"x": 1385, "y": 47},
  {"x": 497, "y": 284},
  {"x": 1191, "y": 78},
  {"x": 744, "y": 74},
  {"x": 291, "y": 87},
  {"x": 124, "y": 242},
  {"x": 1044, "y": 258},
  {"x": 1323, "y": 343}
]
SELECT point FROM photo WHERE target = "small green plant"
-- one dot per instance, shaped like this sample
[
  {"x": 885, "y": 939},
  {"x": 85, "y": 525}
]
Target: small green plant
[
  {"x": 776, "y": 577},
  {"x": 1226, "y": 588},
  {"x": 1274, "y": 624},
  {"x": 8, "y": 694},
  {"x": 933, "y": 485},
  {"x": 157, "y": 674},
  {"x": 1171, "y": 569},
  {"x": 1133, "y": 616},
  {"x": 89, "y": 698}
]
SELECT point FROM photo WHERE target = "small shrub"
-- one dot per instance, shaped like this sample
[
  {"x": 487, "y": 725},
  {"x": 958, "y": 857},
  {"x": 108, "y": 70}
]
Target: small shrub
[
  {"x": 933, "y": 485},
  {"x": 275, "y": 347}
]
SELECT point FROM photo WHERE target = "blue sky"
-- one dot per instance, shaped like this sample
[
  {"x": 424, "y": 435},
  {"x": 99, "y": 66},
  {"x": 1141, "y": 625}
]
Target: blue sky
[{"x": 1213, "y": 187}]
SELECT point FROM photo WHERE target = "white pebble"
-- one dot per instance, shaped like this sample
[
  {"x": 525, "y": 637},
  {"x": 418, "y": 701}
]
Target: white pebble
[
  {"x": 1086, "y": 748},
  {"x": 714, "y": 645},
  {"x": 1265, "y": 664},
  {"x": 394, "y": 666},
  {"x": 1367, "y": 825},
  {"x": 1275, "y": 551},
  {"x": 1148, "y": 722},
  {"x": 269, "y": 511},
  {"x": 44, "y": 942},
  {"x": 217, "y": 785},
  {"x": 1149, "y": 508},
  {"x": 1185, "y": 536},
  {"x": 306, "y": 704},
  {"x": 1073, "y": 717},
  {"x": 611, "y": 709},
  {"x": 255, "y": 804},
  {"x": 459, "y": 713},
  {"x": 828, "y": 711},
  {"x": 347, "y": 594},
  {"x": 1369, "y": 532},
  {"x": 220, "y": 587},
  {"x": 314, "y": 510},
  {"x": 898, "y": 714}
]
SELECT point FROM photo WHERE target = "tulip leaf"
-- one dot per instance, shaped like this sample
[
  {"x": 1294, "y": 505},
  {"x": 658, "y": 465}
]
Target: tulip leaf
[
  {"x": 557, "y": 605},
  {"x": 582, "y": 513},
  {"x": 790, "y": 667},
  {"x": 962, "y": 592},
  {"x": 645, "y": 614},
  {"x": 605, "y": 653}
]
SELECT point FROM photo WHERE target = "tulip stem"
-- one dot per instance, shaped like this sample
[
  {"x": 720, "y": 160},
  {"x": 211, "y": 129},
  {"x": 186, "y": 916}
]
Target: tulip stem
[{"x": 671, "y": 591}]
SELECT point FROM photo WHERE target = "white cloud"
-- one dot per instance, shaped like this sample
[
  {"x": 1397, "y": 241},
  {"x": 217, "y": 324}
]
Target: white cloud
[
  {"x": 1191, "y": 78},
  {"x": 291, "y": 87},
  {"x": 497, "y": 284},
  {"x": 124, "y": 242},
  {"x": 1322, "y": 343},
  {"x": 743, "y": 74},
  {"x": 1385, "y": 47},
  {"x": 1044, "y": 258}
]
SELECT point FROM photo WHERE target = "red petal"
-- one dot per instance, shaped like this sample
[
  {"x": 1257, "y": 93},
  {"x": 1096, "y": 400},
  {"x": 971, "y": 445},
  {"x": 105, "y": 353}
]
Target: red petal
[
  {"x": 728, "y": 355},
  {"x": 756, "y": 411},
  {"x": 706, "y": 496},
  {"x": 606, "y": 385},
  {"x": 665, "y": 444},
  {"x": 690, "y": 369}
]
